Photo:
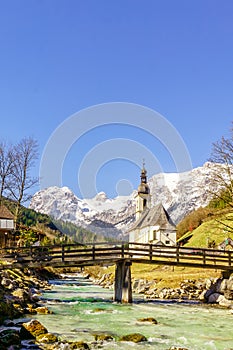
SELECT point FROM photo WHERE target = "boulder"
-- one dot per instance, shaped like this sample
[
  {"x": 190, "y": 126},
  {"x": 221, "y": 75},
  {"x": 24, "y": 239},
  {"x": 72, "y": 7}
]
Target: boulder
[
  {"x": 8, "y": 338},
  {"x": 221, "y": 285},
  {"x": 209, "y": 292},
  {"x": 213, "y": 298},
  {"x": 134, "y": 337},
  {"x": 43, "y": 310},
  {"x": 47, "y": 338},
  {"x": 79, "y": 345},
  {"x": 148, "y": 320},
  {"x": 6, "y": 282},
  {"x": 8, "y": 310},
  {"x": 35, "y": 328},
  {"x": 230, "y": 283},
  {"x": 222, "y": 301},
  {"x": 228, "y": 294},
  {"x": 202, "y": 296},
  {"x": 208, "y": 283},
  {"x": 20, "y": 294},
  {"x": 103, "y": 337},
  {"x": 30, "y": 309}
]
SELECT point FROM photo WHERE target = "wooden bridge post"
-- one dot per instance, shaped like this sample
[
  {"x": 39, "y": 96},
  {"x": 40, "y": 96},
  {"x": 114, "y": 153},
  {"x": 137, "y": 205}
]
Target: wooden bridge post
[
  {"x": 62, "y": 253},
  {"x": 229, "y": 258},
  {"x": 150, "y": 251},
  {"x": 123, "y": 287}
]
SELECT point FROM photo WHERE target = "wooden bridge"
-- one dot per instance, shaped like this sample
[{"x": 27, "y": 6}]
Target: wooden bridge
[{"x": 120, "y": 254}]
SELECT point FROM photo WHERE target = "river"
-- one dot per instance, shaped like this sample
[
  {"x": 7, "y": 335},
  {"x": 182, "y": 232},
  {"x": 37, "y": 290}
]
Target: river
[{"x": 82, "y": 309}]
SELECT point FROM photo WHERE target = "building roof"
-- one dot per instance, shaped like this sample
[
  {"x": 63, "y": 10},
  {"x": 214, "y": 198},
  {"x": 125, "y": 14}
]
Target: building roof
[
  {"x": 153, "y": 217},
  {"x": 5, "y": 213}
]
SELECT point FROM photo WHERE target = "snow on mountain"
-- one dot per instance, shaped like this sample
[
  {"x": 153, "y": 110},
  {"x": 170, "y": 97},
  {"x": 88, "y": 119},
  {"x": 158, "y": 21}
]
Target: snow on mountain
[
  {"x": 180, "y": 193},
  {"x": 99, "y": 214}
]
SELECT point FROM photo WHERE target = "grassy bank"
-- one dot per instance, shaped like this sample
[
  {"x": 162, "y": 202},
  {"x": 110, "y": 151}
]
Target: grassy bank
[{"x": 164, "y": 276}]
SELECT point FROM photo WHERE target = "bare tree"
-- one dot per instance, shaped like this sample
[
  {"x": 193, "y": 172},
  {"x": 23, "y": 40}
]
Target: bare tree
[
  {"x": 25, "y": 154},
  {"x": 222, "y": 156},
  {"x": 6, "y": 167}
]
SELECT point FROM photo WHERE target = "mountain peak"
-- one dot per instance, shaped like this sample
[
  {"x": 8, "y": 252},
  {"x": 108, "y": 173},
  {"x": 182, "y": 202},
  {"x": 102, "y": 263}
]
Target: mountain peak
[
  {"x": 101, "y": 196},
  {"x": 180, "y": 193}
]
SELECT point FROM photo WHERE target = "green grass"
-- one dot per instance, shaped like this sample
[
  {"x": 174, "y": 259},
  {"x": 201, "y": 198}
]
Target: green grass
[{"x": 211, "y": 230}]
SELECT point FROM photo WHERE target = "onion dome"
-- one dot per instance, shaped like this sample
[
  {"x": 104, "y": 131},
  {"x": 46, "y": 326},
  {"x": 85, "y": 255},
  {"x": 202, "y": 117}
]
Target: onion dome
[{"x": 143, "y": 188}]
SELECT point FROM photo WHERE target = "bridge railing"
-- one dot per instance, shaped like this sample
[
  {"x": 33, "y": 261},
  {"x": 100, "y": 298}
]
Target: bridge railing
[
  {"x": 86, "y": 253},
  {"x": 73, "y": 253},
  {"x": 173, "y": 255},
  {"x": 106, "y": 253}
]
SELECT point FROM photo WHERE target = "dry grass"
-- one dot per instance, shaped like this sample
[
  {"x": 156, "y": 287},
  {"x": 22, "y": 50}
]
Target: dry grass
[
  {"x": 171, "y": 276},
  {"x": 164, "y": 276}
]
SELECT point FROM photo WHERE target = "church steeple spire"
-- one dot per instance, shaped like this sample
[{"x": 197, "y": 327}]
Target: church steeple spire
[
  {"x": 143, "y": 187},
  {"x": 143, "y": 196}
]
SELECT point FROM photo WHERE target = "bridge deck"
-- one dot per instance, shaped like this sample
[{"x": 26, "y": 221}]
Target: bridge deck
[{"x": 105, "y": 254}]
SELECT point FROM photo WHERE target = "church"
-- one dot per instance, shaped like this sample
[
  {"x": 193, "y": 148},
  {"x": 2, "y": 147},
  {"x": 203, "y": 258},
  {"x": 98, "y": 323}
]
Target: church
[{"x": 153, "y": 224}]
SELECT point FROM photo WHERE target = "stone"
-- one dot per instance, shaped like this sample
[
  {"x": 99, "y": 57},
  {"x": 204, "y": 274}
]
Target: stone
[
  {"x": 103, "y": 337},
  {"x": 208, "y": 283},
  {"x": 79, "y": 345},
  {"x": 8, "y": 338},
  {"x": 34, "y": 297},
  {"x": 35, "y": 328},
  {"x": 148, "y": 320},
  {"x": 30, "y": 309},
  {"x": 43, "y": 310},
  {"x": 20, "y": 294},
  {"x": 230, "y": 284},
  {"x": 135, "y": 284},
  {"x": 47, "y": 338},
  {"x": 228, "y": 294},
  {"x": 213, "y": 298},
  {"x": 208, "y": 293},
  {"x": 222, "y": 301},
  {"x": 221, "y": 285},
  {"x": 134, "y": 337},
  {"x": 25, "y": 334},
  {"x": 5, "y": 282},
  {"x": 8, "y": 310}
]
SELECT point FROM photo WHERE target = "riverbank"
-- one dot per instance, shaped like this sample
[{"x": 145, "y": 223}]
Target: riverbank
[
  {"x": 20, "y": 292},
  {"x": 21, "y": 295},
  {"x": 172, "y": 283}
]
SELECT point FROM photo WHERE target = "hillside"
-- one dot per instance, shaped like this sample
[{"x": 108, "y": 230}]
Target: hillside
[
  {"x": 32, "y": 224},
  {"x": 209, "y": 226},
  {"x": 211, "y": 231}
]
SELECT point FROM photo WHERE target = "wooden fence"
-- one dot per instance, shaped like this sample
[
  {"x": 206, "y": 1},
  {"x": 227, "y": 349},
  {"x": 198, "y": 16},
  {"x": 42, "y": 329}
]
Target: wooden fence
[{"x": 105, "y": 253}]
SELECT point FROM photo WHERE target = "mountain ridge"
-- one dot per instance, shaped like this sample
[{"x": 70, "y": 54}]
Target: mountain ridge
[{"x": 180, "y": 193}]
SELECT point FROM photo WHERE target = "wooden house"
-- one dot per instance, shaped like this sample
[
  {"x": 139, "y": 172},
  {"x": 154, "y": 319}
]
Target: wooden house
[{"x": 7, "y": 226}]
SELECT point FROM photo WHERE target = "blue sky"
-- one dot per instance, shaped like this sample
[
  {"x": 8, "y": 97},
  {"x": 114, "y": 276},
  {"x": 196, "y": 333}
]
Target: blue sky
[{"x": 59, "y": 57}]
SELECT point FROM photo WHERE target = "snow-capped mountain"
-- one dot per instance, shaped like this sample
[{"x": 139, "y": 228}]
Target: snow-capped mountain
[{"x": 180, "y": 193}]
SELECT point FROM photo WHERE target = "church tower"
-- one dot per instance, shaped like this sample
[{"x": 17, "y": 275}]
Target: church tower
[{"x": 143, "y": 197}]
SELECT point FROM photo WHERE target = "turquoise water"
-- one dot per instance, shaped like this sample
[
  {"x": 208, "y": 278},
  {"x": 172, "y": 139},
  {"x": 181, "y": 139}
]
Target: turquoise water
[{"x": 82, "y": 309}]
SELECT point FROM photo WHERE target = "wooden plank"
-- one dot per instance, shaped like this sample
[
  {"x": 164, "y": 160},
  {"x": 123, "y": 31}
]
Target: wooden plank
[{"x": 94, "y": 253}]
